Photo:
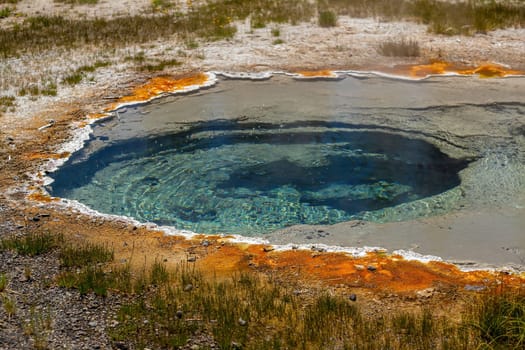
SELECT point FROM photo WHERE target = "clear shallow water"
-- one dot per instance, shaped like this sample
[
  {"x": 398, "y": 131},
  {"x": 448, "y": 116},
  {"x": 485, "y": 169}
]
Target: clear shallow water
[{"x": 254, "y": 178}]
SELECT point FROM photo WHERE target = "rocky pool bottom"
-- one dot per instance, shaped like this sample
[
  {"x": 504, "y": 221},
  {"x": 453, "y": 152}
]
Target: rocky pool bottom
[{"x": 480, "y": 121}]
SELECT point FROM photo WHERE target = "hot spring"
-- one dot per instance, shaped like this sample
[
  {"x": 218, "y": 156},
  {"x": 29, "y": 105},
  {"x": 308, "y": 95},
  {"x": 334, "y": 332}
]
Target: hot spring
[{"x": 251, "y": 158}]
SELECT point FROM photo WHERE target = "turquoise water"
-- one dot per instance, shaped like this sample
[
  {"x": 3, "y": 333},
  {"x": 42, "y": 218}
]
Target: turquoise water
[{"x": 253, "y": 178}]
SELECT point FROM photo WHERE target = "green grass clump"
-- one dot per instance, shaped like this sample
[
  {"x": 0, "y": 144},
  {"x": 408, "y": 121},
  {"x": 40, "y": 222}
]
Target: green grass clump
[
  {"x": 90, "y": 279},
  {"x": 399, "y": 48},
  {"x": 5, "y": 12},
  {"x": 6, "y": 102},
  {"x": 83, "y": 269},
  {"x": 32, "y": 244},
  {"x": 161, "y": 4},
  {"x": 74, "y": 78},
  {"x": 49, "y": 89},
  {"x": 78, "y": 75},
  {"x": 500, "y": 320},
  {"x": 93, "y": 67},
  {"x": 84, "y": 255},
  {"x": 327, "y": 18},
  {"x": 160, "y": 66},
  {"x": 3, "y": 282}
]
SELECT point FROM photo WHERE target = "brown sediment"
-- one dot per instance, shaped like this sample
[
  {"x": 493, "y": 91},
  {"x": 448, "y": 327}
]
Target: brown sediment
[
  {"x": 42, "y": 197},
  {"x": 159, "y": 85},
  {"x": 34, "y": 156}
]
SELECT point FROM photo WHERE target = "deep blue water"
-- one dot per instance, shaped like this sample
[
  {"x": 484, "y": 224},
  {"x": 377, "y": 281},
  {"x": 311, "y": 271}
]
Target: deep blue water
[{"x": 253, "y": 178}]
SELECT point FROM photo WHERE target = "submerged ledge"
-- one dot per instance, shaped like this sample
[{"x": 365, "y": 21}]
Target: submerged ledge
[{"x": 162, "y": 86}]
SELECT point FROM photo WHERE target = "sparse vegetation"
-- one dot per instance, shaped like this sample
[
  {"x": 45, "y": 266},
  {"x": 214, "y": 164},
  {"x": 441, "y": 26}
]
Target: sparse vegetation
[
  {"x": 327, "y": 18},
  {"x": 74, "y": 78},
  {"x": 441, "y": 17},
  {"x": 166, "y": 307},
  {"x": 6, "y": 102},
  {"x": 49, "y": 89},
  {"x": 38, "y": 326},
  {"x": 84, "y": 255},
  {"x": 211, "y": 21},
  {"x": 500, "y": 319},
  {"x": 214, "y": 21},
  {"x": 3, "y": 282},
  {"x": 5, "y": 12},
  {"x": 399, "y": 48},
  {"x": 161, "y": 4},
  {"x": 159, "y": 66},
  {"x": 9, "y": 305},
  {"x": 31, "y": 244},
  {"x": 80, "y": 73}
]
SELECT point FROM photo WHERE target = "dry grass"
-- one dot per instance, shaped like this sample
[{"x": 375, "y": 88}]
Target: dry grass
[
  {"x": 214, "y": 21},
  {"x": 441, "y": 17},
  {"x": 78, "y": 2},
  {"x": 399, "y": 48}
]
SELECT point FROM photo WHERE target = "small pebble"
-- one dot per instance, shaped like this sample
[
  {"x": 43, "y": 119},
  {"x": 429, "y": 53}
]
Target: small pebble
[
  {"x": 242, "y": 322},
  {"x": 192, "y": 259},
  {"x": 179, "y": 314},
  {"x": 188, "y": 287},
  {"x": 93, "y": 323},
  {"x": 352, "y": 297},
  {"x": 371, "y": 268}
]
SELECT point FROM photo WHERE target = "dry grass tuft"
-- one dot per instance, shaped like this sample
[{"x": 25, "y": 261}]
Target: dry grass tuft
[{"x": 399, "y": 48}]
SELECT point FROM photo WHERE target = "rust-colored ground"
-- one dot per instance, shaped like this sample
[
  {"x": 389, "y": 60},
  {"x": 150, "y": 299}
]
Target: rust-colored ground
[{"x": 487, "y": 70}]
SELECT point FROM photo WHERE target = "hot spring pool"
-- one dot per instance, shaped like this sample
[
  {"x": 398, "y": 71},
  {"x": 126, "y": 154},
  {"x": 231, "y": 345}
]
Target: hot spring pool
[
  {"x": 223, "y": 176},
  {"x": 251, "y": 158}
]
